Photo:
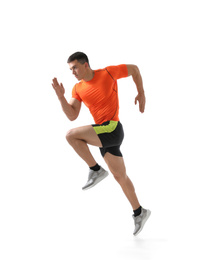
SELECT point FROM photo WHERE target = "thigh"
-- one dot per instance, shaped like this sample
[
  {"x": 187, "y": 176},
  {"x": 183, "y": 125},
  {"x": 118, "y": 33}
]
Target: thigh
[
  {"x": 87, "y": 134},
  {"x": 115, "y": 164}
]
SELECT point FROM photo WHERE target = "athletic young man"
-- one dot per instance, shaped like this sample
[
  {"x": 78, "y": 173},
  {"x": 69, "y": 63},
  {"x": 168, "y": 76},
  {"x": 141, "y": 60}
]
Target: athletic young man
[{"x": 98, "y": 90}]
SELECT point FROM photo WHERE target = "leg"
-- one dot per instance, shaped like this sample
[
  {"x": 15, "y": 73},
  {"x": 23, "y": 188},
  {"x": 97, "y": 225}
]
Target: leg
[
  {"x": 79, "y": 138},
  {"x": 117, "y": 167}
]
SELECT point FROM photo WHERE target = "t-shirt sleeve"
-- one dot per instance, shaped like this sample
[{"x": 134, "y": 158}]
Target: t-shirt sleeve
[
  {"x": 75, "y": 94},
  {"x": 118, "y": 72}
]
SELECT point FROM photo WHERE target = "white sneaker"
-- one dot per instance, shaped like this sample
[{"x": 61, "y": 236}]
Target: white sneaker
[
  {"x": 95, "y": 177},
  {"x": 141, "y": 220}
]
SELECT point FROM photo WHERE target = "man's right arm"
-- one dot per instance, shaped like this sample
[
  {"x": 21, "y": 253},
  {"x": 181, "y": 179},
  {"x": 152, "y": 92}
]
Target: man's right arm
[{"x": 70, "y": 109}]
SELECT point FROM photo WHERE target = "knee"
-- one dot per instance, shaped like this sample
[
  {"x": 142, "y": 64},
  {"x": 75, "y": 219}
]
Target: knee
[
  {"x": 120, "y": 177},
  {"x": 70, "y": 135}
]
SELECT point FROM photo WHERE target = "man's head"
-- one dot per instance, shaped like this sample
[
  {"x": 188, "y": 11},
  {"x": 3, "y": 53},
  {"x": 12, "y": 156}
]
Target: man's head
[
  {"x": 80, "y": 57},
  {"x": 79, "y": 64}
]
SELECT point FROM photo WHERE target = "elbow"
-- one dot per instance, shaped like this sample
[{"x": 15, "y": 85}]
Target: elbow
[
  {"x": 135, "y": 72},
  {"x": 72, "y": 118}
]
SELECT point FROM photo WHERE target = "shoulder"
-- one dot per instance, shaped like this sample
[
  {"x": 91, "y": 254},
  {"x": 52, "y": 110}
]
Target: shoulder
[
  {"x": 100, "y": 70},
  {"x": 118, "y": 71},
  {"x": 77, "y": 85},
  {"x": 76, "y": 88}
]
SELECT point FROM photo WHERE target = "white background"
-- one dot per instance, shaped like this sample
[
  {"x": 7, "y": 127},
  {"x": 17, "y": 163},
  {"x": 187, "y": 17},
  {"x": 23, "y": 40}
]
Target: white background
[{"x": 44, "y": 214}]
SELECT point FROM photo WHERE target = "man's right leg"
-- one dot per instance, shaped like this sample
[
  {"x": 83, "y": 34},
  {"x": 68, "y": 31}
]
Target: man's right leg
[{"x": 79, "y": 138}]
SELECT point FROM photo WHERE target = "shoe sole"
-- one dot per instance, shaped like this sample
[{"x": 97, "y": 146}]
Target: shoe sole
[
  {"x": 97, "y": 181},
  {"x": 144, "y": 221}
]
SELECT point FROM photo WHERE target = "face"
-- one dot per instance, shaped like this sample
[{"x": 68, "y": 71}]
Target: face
[{"x": 78, "y": 69}]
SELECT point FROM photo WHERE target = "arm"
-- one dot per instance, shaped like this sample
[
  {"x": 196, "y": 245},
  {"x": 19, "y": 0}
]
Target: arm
[
  {"x": 135, "y": 73},
  {"x": 72, "y": 108}
]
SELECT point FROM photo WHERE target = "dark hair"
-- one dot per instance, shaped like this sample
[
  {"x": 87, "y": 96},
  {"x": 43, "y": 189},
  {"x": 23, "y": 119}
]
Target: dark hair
[{"x": 79, "y": 56}]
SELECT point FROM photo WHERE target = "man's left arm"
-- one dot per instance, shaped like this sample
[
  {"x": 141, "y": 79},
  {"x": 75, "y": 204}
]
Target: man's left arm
[{"x": 135, "y": 73}]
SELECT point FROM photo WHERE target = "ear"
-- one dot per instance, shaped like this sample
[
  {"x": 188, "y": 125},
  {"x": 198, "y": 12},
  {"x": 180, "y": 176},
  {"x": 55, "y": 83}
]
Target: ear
[{"x": 86, "y": 65}]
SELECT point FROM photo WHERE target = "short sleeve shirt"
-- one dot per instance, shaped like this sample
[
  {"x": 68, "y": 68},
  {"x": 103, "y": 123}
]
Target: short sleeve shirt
[{"x": 100, "y": 94}]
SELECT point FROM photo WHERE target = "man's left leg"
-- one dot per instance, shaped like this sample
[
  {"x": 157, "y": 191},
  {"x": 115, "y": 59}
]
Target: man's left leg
[{"x": 118, "y": 169}]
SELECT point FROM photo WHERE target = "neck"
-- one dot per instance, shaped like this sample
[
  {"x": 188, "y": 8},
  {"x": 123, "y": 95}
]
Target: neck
[{"x": 89, "y": 75}]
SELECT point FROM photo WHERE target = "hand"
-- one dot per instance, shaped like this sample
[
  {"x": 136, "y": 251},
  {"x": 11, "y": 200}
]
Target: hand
[
  {"x": 141, "y": 99},
  {"x": 59, "y": 89}
]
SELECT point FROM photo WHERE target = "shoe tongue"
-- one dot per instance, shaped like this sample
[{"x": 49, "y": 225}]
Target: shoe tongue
[{"x": 92, "y": 174}]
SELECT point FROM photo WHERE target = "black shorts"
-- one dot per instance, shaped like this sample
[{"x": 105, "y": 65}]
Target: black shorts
[{"x": 111, "y": 135}]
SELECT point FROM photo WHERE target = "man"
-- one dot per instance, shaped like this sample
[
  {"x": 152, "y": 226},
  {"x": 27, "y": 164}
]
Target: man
[{"x": 98, "y": 90}]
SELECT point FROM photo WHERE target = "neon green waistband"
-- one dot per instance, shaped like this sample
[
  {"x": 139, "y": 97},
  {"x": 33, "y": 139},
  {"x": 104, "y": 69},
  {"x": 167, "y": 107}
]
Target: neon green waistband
[{"x": 106, "y": 128}]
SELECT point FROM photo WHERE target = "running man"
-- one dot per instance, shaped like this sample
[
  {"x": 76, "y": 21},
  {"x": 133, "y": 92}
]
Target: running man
[{"x": 99, "y": 91}]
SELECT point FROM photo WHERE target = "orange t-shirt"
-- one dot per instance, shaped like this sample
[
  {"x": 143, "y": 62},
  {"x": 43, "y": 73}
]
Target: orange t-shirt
[{"x": 100, "y": 94}]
